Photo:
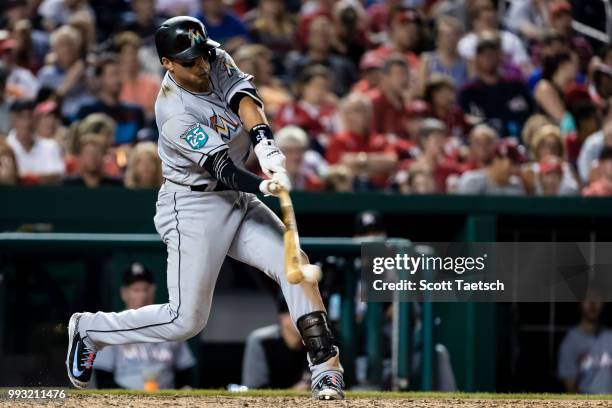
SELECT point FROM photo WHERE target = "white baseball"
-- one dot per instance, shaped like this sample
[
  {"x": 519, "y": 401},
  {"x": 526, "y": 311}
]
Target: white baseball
[{"x": 312, "y": 273}]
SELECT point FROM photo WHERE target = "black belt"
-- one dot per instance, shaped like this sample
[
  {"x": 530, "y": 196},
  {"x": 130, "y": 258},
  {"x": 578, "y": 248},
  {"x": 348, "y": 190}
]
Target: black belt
[{"x": 203, "y": 187}]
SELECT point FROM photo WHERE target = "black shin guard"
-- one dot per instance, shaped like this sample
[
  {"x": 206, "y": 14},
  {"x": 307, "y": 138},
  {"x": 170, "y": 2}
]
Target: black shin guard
[{"x": 317, "y": 337}]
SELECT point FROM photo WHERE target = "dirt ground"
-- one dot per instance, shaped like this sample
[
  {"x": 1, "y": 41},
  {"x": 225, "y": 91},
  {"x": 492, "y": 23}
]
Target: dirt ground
[{"x": 132, "y": 401}]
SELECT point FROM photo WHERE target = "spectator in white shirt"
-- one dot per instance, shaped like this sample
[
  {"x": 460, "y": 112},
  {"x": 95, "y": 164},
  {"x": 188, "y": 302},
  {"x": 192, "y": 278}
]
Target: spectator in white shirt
[
  {"x": 39, "y": 160},
  {"x": 485, "y": 19}
]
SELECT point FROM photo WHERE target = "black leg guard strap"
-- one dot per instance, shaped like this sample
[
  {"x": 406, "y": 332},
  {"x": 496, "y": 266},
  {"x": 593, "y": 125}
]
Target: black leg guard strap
[{"x": 317, "y": 337}]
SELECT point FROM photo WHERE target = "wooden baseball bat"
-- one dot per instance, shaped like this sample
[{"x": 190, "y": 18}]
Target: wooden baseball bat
[{"x": 293, "y": 259}]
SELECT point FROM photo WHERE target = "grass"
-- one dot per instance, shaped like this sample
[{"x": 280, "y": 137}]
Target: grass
[{"x": 351, "y": 394}]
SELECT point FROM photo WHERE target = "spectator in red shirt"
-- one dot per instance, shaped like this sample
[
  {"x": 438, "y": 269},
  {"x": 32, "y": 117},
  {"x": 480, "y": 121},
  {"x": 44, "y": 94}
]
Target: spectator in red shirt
[
  {"x": 314, "y": 109},
  {"x": 389, "y": 99},
  {"x": 415, "y": 112},
  {"x": 602, "y": 186},
  {"x": 293, "y": 142},
  {"x": 366, "y": 153},
  {"x": 406, "y": 36},
  {"x": 441, "y": 96},
  {"x": 370, "y": 67}
]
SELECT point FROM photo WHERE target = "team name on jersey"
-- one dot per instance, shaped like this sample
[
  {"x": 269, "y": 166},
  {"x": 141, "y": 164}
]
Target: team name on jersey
[{"x": 223, "y": 125}]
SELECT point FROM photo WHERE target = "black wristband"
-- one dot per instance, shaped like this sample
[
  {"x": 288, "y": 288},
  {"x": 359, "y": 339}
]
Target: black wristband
[{"x": 260, "y": 132}]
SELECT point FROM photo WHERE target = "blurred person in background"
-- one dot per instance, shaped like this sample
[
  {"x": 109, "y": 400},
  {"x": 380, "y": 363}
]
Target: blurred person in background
[
  {"x": 504, "y": 103},
  {"x": 482, "y": 140},
  {"x": 370, "y": 68},
  {"x": 82, "y": 22},
  {"x": 350, "y": 30},
  {"x": 116, "y": 157},
  {"x": 602, "y": 185},
  {"x": 527, "y": 18},
  {"x": 256, "y": 60},
  {"x": 600, "y": 88},
  {"x": 593, "y": 145},
  {"x": 57, "y": 12},
  {"x": 31, "y": 46},
  {"x": 9, "y": 175},
  {"x": 440, "y": 94},
  {"x": 432, "y": 158},
  {"x": 49, "y": 123},
  {"x": 5, "y": 123},
  {"x": 390, "y": 97},
  {"x": 417, "y": 181},
  {"x": 445, "y": 59},
  {"x": 485, "y": 19},
  {"x": 499, "y": 177},
  {"x": 550, "y": 177},
  {"x": 339, "y": 179},
  {"x": 66, "y": 74},
  {"x": 274, "y": 356},
  {"x": 406, "y": 36},
  {"x": 587, "y": 118},
  {"x": 90, "y": 150},
  {"x": 143, "y": 366},
  {"x": 138, "y": 87},
  {"x": 39, "y": 160},
  {"x": 314, "y": 108},
  {"x": 223, "y": 24},
  {"x": 129, "y": 118},
  {"x": 273, "y": 27},
  {"x": 546, "y": 146},
  {"x": 584, "y": 354},
  {"x": 12, "y": 11},
  {"x": 550, "y": 43},
  {"x": 319, "y": 51},
  {"x": 558, "y": 72},
  {"x": 144, "y": 167},
  {"x": 415, "y": 112},
  {"x": 293, "y": 142},
  {"x": 560, "y": 17},
  {"x": 365, "y": 152},
  {"x": 20, "y": 82},
  {"x": 143, "y": 20}
]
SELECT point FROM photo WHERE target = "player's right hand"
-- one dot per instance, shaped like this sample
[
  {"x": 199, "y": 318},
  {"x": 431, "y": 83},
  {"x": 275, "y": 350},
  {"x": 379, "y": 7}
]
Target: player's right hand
[{"x": 273, "y": 186}]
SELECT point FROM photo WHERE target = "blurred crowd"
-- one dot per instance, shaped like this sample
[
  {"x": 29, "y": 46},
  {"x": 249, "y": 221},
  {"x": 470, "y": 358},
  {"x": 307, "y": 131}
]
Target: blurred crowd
[{"x": 407, "y": 96}]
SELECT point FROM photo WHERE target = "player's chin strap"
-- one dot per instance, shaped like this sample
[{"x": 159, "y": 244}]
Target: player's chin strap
[{"x": 317, "y": 337}]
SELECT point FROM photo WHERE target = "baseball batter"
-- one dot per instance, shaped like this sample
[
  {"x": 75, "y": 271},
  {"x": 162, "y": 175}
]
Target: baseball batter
[{"x": 209, "y": 115}]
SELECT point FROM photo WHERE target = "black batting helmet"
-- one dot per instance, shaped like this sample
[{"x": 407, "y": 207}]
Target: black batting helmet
[{"x": 184, "y": 38}]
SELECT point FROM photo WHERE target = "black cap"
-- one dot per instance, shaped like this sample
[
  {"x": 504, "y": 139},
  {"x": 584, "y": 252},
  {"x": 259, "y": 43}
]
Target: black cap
[
  {"x": 183, "y": 38},
  {"x": 368, "y": 222},
  {"x": 137, "y": 272},
  {"x": 22, "y": 105}
]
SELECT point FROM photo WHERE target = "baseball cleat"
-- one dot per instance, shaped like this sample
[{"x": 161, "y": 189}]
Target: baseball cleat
[
  {"x": 80, "y": 358},
  {"x": 330, "y": 386}
]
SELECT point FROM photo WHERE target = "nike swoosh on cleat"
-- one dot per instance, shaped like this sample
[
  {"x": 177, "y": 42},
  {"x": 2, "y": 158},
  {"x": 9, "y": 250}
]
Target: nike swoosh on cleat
[{"x": 75, "y": 370}]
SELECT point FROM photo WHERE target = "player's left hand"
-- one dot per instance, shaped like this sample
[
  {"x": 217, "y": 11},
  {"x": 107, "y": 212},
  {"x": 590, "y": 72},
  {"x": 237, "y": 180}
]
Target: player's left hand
[{"x": 271, "y": 159}]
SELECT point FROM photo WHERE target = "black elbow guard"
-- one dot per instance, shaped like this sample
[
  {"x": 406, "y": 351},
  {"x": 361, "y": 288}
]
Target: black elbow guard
[{"x": 317, "y": 337}]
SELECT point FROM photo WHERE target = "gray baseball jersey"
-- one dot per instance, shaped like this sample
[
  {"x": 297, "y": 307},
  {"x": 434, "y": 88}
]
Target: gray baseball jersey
[
  {"x": 193, "y": 126},
  {"x": 201, "y": 228}
]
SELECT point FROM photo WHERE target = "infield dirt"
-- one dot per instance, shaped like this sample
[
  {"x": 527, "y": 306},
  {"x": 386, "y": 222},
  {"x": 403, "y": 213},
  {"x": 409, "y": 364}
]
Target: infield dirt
[{"x": 146, "y": 401}]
